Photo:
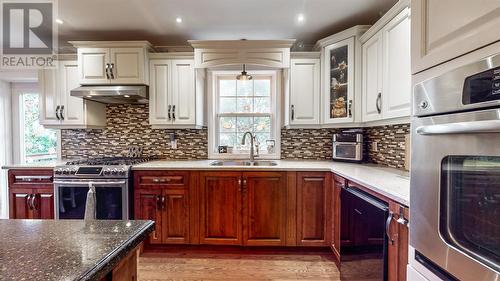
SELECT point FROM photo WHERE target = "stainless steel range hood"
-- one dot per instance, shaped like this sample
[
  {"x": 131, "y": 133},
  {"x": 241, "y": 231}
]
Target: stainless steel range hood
[{"x": 113, "y": 94}]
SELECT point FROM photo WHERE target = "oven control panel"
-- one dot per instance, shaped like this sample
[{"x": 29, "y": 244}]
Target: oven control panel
[{"x": 112, "y": 171}]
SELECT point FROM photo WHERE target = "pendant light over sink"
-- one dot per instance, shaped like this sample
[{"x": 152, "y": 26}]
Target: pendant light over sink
[{"x": 244, "y": 76}]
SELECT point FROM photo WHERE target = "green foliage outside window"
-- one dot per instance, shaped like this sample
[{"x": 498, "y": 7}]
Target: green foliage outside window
[{"x": 39, "y": 143}]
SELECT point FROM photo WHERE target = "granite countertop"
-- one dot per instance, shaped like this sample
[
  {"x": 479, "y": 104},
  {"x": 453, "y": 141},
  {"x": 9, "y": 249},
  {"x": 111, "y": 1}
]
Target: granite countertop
[
  {"x": 390, "y": 182},
  {"x": 66, "y": 249}
]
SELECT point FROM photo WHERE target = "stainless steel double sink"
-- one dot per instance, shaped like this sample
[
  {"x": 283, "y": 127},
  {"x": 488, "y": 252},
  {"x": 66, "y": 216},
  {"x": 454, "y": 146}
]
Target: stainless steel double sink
[{"x": 263, "y": 163}]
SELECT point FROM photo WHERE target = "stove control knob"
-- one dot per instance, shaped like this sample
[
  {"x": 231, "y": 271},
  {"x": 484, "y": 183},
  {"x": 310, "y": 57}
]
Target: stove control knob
[
  {"x": 66, "y": 171},
  {"x": 122, "y": 172},
  {"x": 114, "y": 171},
  {"x": 107, "y": 171},
  {"x": 73, "y": 171},
  {"x": 58, "y": 171}
]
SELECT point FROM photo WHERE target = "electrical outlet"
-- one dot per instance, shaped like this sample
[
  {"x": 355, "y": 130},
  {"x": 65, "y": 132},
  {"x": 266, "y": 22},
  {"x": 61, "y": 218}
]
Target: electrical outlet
[{"x": 375, "y": 146}]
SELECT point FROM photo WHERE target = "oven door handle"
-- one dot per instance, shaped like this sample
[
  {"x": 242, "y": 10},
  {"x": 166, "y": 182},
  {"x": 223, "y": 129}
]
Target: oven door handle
[
  {"x": 94, "y": 183},
  {"x": 484, "y": 126}
]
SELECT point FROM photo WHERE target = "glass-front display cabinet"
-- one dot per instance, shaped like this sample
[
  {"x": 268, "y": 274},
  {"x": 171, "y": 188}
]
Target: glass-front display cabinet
[{"x": 339, "y": 76}]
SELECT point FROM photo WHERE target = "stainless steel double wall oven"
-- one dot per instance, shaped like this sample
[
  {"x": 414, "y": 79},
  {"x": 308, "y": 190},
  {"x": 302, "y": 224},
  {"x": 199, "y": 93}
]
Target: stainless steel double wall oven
[{"x": 455, "y": 172}]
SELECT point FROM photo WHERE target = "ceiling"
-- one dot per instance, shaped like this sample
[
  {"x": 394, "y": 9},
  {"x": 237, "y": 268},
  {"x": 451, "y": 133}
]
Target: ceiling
[{"x": 155, "y": 20}]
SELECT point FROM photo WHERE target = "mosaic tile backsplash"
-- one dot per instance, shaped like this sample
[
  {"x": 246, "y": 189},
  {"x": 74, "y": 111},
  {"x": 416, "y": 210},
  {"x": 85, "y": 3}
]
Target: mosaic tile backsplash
[
  {"x": 316, "y": 144},
  {"x": 128, "y": 125}
]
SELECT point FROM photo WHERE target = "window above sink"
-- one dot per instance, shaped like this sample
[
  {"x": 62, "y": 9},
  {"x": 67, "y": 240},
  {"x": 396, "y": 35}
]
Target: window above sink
[{"x": 244, "y": 106}]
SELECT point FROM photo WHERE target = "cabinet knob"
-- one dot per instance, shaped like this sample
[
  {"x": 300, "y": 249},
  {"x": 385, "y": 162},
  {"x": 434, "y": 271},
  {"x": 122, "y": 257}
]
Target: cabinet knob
[{"x": 293, "y": 112}]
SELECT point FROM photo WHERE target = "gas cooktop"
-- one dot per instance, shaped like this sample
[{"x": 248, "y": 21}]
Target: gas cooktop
[
  {"x": 105, "y": 161},
  {"x": 104, "y": 167}
]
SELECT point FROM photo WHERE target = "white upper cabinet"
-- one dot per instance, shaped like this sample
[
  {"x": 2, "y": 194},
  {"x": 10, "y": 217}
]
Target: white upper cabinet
[
  {"x": 159, "y": 89},
  {"x": 128, "y": 66},
  {"x": 73, "y": 107},
  {"x": 93, "y": 65},
  {"x": 304, "y": 93},
  {"x": 445, "y": 29},
  {"x": 397, "y": 68},
  {"x": 183, "y": 92},
  {"x": 114, "y": 63},
  {"x": 372, "y": 79},
  {"x": 58, "y": 109},
  {"x": 49, "y": 97},
  {"x": 386, "y": 78},
  {"x": 341, "y": 73},
  {"x": 174, "y": 98}
]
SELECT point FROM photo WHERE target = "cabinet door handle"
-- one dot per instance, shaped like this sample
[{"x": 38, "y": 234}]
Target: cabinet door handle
[
  {"x": 107, "y": 71},
  {"x": 61, "y": 112},
  {"x": 158, "y": 202},
  {"x": 57, "y": 112},
  {"x": 169, "y": 110},
  {"x": 163, "y": 205},
  {"x": 378, "y": 103},
  {"x": 293, "y": 112},
  {"x": 349, "y": 108},
  {"x": 239, "y": 185},
  {"x": 388, "y": 228},
  {"x": 111, "y": 71},
  {"x": 244, "y": 185},
  {"x": 173, "y": 112},
  {"x": 33, "y": 202}
]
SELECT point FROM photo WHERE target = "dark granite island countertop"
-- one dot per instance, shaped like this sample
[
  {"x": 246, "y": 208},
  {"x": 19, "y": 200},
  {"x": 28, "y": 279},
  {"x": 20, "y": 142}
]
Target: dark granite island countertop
[{"x": 66, "y": 249}]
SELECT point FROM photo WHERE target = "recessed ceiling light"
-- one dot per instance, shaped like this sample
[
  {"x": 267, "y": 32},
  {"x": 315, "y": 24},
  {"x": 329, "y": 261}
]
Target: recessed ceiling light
[
  {"x": 59, "y": 21},
  {"x": 127, "y": 96},
  {"x": 300, "y": 18},
  {"x": 178, "y": 19}
]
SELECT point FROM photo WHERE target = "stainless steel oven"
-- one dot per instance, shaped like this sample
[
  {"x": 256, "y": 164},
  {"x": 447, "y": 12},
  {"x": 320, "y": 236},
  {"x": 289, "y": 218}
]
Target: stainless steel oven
[
  {"x": 111, "y": 198},
  {"x": 455, "y": 172}
]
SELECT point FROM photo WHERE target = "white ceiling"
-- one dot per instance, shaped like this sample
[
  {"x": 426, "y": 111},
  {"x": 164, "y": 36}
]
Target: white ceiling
[{"x": 154, "y": 20}]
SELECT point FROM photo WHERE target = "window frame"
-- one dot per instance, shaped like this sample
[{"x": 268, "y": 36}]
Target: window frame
[
  {"x": 18, "y": 90},
  {"x": 213, "y": 113}
]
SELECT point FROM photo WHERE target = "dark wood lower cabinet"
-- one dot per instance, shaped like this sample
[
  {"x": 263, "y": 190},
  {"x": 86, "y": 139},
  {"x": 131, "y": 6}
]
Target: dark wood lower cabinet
[
  {"x": 313, "y": 209},
  {"x": 43, "y": 203},
  {"x": 31, "y": 194},
  {"x": 257, "y": 209},
  {"x": 264, "y": 215},
  {"x": 164, "y": 198},
  {"x": 338, "y": 184},
  {"x": 398, "y": 247},
  {"x": 220, "y": 208},
  {"x": 148, "y": 207},
  {"x": 175, "y": 217}
]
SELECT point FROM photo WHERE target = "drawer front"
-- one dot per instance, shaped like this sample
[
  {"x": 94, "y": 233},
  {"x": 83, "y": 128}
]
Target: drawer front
[
  {"x": 163, "y": 179},
  {"x": 32, "y": 177}
]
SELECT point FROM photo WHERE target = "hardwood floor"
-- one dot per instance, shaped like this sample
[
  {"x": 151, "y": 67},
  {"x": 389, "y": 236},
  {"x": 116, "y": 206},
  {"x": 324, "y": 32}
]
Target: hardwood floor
[{"x": 239, "y": 265}]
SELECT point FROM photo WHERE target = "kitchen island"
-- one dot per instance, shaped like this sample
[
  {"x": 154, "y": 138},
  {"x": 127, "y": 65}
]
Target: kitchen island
[{"x": 70, "y": 249}]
